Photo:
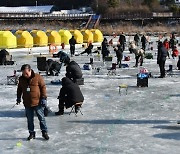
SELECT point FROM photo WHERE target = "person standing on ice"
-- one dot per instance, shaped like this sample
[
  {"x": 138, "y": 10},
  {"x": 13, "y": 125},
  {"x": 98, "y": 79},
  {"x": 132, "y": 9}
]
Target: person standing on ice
[
  {"x": 136, "y": 39},
  {"x": 161, "y": 59},
  {"x": 32, "y": 88},
  {"x": 69, "y": 95},
  {"x": 173, "y": 41},
  {"x": 122, "y": 40},
  {"x": 72, "y": 43},
  {"x": 143, "y": 41},
  {"x": 119, "y": 54},
  {"x": 105, "y": 51}
]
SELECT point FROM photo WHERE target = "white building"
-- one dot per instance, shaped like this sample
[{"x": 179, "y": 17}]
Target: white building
[
  {"x": 27, "y": 9},
  {"x": 177, "y": 1}
]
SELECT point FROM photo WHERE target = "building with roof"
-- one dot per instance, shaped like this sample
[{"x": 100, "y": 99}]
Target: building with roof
[{"x": 26, "y": 9}]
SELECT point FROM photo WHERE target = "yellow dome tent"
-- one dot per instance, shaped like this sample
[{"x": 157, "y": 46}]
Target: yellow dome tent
[
  {"x": 98, "y": 36},
  {"x": 40, "y": 38},
  {"x": 24, "y": 39},
  {"x": 65, "y": 36},
  {"x": 53, "y": 37},
  {"x": 7, "y": 40},
  {"x": 77, "y": 35},
  {"x": 88, "y": 36}
]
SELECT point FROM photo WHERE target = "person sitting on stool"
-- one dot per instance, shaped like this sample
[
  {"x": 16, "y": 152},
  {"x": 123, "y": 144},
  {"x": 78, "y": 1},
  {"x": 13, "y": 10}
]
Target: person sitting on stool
[
  {"x": 69, "y": 95},
  {"x": 73, "y": 70}
]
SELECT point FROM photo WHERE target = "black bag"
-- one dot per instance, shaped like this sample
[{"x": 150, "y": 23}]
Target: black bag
[{"x": 46, "y": 111}]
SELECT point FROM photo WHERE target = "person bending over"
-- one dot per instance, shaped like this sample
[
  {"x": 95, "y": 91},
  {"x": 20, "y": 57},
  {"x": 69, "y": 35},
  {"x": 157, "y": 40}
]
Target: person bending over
[{"x": 69, "y": 95}]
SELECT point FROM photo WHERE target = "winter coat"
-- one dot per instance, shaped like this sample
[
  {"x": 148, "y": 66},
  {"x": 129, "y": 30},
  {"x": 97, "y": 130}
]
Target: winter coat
[
  {"x": 73, "y": 70},
  {"x": 71, "y": 92},
  {"x": 162, "y": 54},
  {"x": 136, "y": 38},
  {"x": 143, "y": 39},
  {"x": 53, "y": 65},
  {"x": 122, "y": 39},
  {"x": 119, "y": 52},
  {"x": 63, "y": 57},
  {"x": 72, "y": 42},
  {"x": 173, "y": 42},
  {"x": 105, "y": 51},
  {"x": 37, "y": 89}
]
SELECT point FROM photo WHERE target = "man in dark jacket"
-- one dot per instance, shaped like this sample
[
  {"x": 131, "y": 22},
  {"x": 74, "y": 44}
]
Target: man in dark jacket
[
  {"x": 105, "y": 51},
  {"x": 136, "y": 39},
  {"x": 143, "y": 41},
  {"x": 73, "y": 70},
  {"x": 69, "y": 95},
  {"x": 32, "y": 88},
  {"x": 119, "y": 54},
  {"x": 161, "y": 58},
  {"x": 122, "y": 40},
  {"x": 72, "y": 43}
]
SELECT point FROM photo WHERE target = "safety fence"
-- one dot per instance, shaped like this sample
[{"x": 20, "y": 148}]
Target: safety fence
[
  {"x": 112, "y": 16},
  {"x": 44, "y": 16}
]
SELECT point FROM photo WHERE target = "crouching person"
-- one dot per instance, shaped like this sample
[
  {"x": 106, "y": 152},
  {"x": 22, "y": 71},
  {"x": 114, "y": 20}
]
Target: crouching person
[
  {"x": 32, "y": 88},
  {"x": 69, "y": 95}
]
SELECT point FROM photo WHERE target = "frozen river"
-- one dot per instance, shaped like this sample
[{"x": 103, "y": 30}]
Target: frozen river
[{"x": 143, "y": 121}]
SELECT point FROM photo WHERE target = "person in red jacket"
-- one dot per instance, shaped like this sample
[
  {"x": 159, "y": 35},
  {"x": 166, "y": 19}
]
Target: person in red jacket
[
  {"x": 175, "y": 52},
  {"x": 166, "y": 45}
]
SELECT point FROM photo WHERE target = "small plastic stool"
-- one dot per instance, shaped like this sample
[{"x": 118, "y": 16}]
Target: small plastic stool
[
  {"x": 73, "y": 108},
  {"x": 123, "y": 86},
  {"x": 12, "y": 80}
]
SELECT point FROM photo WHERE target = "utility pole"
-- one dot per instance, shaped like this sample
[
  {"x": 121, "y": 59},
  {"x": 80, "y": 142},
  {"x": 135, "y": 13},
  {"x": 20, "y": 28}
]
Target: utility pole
[{"x": 36, "y": 3}]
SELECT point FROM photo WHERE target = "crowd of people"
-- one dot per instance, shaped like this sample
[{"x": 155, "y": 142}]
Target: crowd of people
[
  {"x": 32, "y": 89},
  {"x": 164, "y": 49}
]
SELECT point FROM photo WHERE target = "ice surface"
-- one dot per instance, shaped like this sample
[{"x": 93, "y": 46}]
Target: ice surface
[{"x": 143, "y": 121}]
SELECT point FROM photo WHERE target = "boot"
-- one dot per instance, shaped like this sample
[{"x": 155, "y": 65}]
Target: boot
[
  {"x": 59, "y": 113},
  {"x": 31, "y": 136},
  {"x": 61, "y": 110},
  {"x": 45, "y": 135}
]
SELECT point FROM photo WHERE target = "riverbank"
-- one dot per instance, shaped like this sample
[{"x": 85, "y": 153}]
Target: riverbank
[{"x": 107, "y": 28}]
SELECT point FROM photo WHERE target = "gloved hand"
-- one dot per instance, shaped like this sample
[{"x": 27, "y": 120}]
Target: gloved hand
[
  {"x": 18, "y": 101},
  {"x": 43, "y": 102}
]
